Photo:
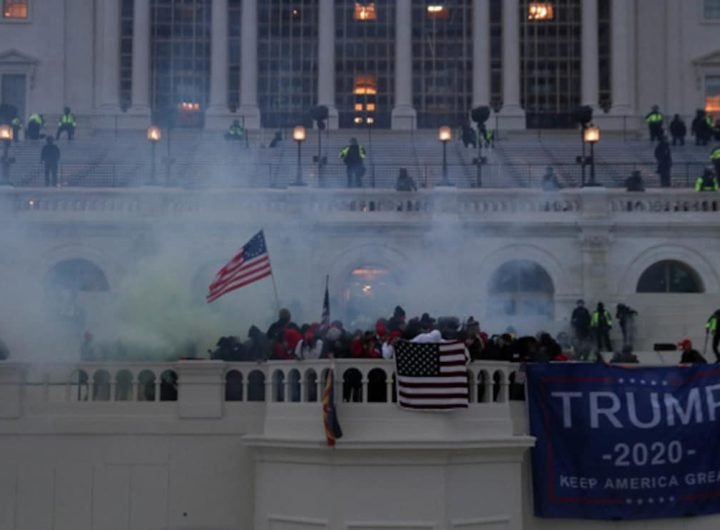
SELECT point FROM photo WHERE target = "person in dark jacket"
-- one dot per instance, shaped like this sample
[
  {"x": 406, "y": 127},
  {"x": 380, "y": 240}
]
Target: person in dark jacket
[
  {"x": 469, "y": 136},
  {"x": 635, "y": 182},
  {"x": 257, "y": 347},
  {"x": 276, "y": 140},
  {"x": 50, "y": 156},
  {"x": 678, "y": 130},
  {"x": 580, "y": 321},
  {"x": 626, "y": 318},
  {"x": 352, "y": 156},
  {"x": 689, "y": 355},
  {"x": 404, "y": 181},
  {"x": 277, "y": 328},
  {"x": 701, "y": 128},
  {"x": 663, "y": 157}
]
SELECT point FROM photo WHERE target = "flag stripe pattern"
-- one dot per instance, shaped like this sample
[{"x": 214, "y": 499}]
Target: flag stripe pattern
[
  {"x": 431, "y": 376},
  {"x": 330, "y": 419},
  {"x": 249, "y": 265},
  {"x": 325, "y": 318}
]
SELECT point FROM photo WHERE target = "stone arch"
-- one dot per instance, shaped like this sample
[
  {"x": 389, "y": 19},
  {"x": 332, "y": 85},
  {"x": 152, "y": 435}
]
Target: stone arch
[
  {"x": 706, "y": 273},
  {"x": 521, "y": 288},
  {"x": 233, "y": 386},
  {"x": 256, "y": 386},
  {"x": 383, "y": 266}
]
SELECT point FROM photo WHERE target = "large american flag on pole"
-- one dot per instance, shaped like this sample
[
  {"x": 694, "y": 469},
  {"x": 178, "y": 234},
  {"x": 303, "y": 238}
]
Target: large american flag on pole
[
  {"x": 249, "y": 265},
  {"x": 431, "y": 375}
]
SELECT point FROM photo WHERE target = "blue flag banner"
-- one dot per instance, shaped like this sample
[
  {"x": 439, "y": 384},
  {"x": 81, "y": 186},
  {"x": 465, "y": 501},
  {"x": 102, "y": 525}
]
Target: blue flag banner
[{"x": 618, "y": 443}]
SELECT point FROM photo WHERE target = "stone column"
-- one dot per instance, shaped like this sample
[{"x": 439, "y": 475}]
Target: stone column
[
  {"x": 248, "y": 66},
  {"x": 108, "y": 41},
  {"x": 403, "y": 114},
  {"x": 512, "y": 115},
  {"x": 481, "y": 52},
  {"x": 141, "y": 59},
  {"x": 621, "y": 51},
  {"x": 218, "y": 115},
  {"x": 326, "y": 60},
  {"x": 590, "y": 86}
]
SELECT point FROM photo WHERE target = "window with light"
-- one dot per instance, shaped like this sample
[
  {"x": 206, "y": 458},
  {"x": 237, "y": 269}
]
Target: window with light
[
  {"x": 711, "y": 9},
  {"x": 365, "y": 11},
  {"x": 15, "y": 9},
  {"x": 540, "y": 11},
  {"x": 712, "y": 95}
]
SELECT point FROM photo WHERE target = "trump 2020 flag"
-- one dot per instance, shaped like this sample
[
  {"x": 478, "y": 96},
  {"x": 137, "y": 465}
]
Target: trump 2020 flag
[
  {"x": 431, "y": 376},
  {"x": 330, "y": 419},
  {"x": 249, "y": 265}
]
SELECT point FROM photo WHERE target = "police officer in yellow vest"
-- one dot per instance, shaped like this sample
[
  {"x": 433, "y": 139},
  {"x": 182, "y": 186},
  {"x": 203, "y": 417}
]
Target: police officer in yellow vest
[
  {"x": 654, "y": 119},
  {"x": 715, "y": 159},
  {"x": 235, "y": 132},
  {"x": 712, "y": 327},
  {"x": 67, "y": 123},
  {"x": 353, "y": 155},
  {"x": 35, "y": 124},
  {"x": 707, "y": 181},
  {"x": 601, "y": 324}
]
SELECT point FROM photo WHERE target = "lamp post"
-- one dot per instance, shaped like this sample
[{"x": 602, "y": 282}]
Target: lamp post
[
  {"x": 6, "y": 136},
  {"x": 444, "y": 135},
  {"x": 154, "y": 135},
  {"x": 591, "y": 136},
  {"x": 299, "y": 135}
]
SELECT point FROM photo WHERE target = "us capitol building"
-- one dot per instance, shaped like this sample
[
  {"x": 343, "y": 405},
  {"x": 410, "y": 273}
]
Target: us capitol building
[{"x": 208, "y": 445}]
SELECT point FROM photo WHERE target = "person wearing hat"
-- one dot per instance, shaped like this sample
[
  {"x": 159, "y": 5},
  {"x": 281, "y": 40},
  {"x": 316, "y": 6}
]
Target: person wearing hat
[{"x": 689, "y": 355}]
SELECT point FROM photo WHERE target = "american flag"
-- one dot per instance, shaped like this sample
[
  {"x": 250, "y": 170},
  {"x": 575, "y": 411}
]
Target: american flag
[
  {"x": 431, "y": 375},
  {"x": 251, "y": 264},
  {"x": 325, "y": 318}
]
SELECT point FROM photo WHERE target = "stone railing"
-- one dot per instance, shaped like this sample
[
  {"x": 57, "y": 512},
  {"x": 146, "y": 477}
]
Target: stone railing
[
  {"x": 358, "y": 381},
  {"x": 153, "y": 201}
]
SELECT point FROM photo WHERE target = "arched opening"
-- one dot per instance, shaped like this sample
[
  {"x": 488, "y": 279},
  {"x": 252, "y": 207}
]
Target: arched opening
[
  {"x": 233, "y": 386},
  {"x": 369, "y": 291},
  {"x": 256, "y": 386},
  {"x": 521, "y": 289},
  {"x": 168, "y": 386},
  {"x": 294, "y": 386},
  {"x": 377, "y": 386},
  {"x": 79, "y": 385},
  {"x": 483, "y": 387},
  {"x": 311, "y": 386},
  {"x": 74, "y": 289},
  {"x": 670, "y": 276},
  {"x": 101, "y": 386},
  {"x": 498, "y": 387},
  {"x": 352, "y": 385},
  {"x": 278, "y": 386},
  {"x": 146, "y": 386},
  {"x": 123, "y": 385}
]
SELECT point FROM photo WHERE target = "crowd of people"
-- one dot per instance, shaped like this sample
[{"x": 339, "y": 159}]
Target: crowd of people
[
  {"x": 587, "y": 340},
  {"x": 702, "y": 128}
]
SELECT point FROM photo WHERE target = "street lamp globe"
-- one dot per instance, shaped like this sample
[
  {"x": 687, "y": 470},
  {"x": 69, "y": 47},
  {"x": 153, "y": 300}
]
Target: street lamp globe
[
  {"x": 6, "y": 133},
  {"x": 154, "y": 134},
  {"x": 444, "y": 134},
  {"x": 299, "y": 133},
  {"x": 591, "y": 135}
]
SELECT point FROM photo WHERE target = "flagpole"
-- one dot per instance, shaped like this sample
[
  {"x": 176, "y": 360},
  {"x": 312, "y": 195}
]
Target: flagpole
[{"x": 272, "y": 274}]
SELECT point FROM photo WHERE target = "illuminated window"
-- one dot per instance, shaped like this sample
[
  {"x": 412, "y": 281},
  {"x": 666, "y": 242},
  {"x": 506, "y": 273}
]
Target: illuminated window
[
  {"x": 15, "y": 9},
  {"x": 365, "y": 11},
  {"x": 370, "y": 107},
  {"x": 437, "y": 11},
  {"x": 365, "y": 85},
  {"x": 540, "y": 11},
  {"x": 712, "y": 95},
  {"x": 711, "y": 9},
  {"x": 359, "y": 107}
]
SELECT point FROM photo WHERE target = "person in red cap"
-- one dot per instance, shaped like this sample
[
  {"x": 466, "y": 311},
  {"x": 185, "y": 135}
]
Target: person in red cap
[{"x": 689, "y": 355}]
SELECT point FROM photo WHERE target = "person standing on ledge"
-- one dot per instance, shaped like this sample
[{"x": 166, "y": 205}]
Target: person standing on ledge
[
  {"x": 352, "y": 156},
  {"x": 678, "y": 130},
  {"x": 715, "y": 159},
  {"x": 663, "y": 156},
  {"x": 601, "y": 323},
  {"x": 711, "y": 326},
  {"x": 50, "y": 156}
]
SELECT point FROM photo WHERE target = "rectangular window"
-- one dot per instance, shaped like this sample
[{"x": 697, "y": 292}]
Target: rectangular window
[
  {"x": 365, "y": 11},
  {"x": 15, "y": 9},
  {"x": 712, "y": 95},
  {"x": 711, "y": 9}
]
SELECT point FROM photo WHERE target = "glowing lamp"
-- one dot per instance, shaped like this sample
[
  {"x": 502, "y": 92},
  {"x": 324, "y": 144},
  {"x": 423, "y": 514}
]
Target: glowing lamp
[
  {"x": 299, "y": 133},
  {"x": 154, "y": 134},
  {"x": 444, "y": 134},
  {"x": 591, "y": 135},
  {"x": 6, "y": 133}
]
